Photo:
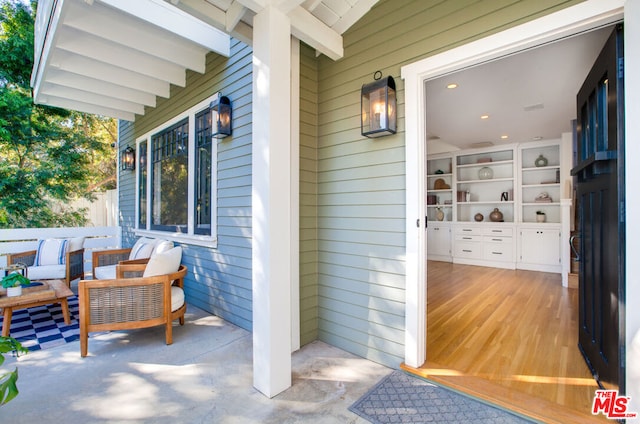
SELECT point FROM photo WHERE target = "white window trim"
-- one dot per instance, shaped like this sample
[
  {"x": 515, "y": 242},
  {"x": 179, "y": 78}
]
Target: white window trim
[{"x": 190, "y": 237}]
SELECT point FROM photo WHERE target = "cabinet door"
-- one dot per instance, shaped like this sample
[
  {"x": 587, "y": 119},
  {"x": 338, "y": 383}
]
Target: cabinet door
[
  {"x": 540, "y": 246},
  {"x": 438, "y": 240}
]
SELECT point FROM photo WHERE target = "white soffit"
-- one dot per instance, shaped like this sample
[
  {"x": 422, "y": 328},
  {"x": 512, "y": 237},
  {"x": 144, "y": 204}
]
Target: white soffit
[{"x": 114, "y": 57}]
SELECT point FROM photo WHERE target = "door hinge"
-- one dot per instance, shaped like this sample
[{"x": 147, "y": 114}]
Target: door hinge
[
  {"x": 620, "y": 67},
  {"x": 622, "y": 211}
]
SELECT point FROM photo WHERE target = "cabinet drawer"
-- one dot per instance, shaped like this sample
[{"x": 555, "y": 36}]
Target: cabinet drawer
[
  {"x": 498, "y": 251},
  {"x": 497, "y": 239},
  {"x": 469, "y": 231},
  {"x": 466, "y": 237},
  {"x": 469, "y": 250},
  {"x": 493, "y": 231}
]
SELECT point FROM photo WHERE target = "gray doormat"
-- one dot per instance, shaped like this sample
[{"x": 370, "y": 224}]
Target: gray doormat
[{"x": 401, "y": 398}]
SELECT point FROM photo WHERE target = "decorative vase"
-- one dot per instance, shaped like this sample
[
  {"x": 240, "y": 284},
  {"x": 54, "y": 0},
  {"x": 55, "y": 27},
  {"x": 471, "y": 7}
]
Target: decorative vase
[
  {"x": 496, "y": 215},
  {"x": 485, "y": 173},
  {"x": 478, "y": 217},
  {"x": 540, "y": 217},
  {"x": 440, "y": 215},
  {"x": 14, "y": 291},
  {"x": 541, "y": 161}
]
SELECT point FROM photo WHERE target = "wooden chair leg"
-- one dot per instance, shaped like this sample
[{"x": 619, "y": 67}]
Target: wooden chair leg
[
  {"x": 168, "y": 331},
  {"x": 84, "y": 342}
]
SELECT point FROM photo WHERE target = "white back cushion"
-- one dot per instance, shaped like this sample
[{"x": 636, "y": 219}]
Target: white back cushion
[
  {"x": 164, "y": 263},
  {"x": 76, "y": 243},
  {"x": 51, "y": 252},
  {"x": 162, "y": 246},
  {"x": 142, "y": 248}
]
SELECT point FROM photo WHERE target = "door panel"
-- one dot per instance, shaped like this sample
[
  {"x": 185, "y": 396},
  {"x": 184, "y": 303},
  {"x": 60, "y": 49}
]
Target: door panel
[{"x": 600, "y": 191}]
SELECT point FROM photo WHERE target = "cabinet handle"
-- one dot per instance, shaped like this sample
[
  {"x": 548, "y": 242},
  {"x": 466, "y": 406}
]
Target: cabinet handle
[
  {"x": 496, "y": 231},
  {"x": 466, "y": 250},
  {"x": 467, "y": 238},
  {"x": 496, "y": 239},
  {"x": 467, "y": 229},
  {"x": 496, "y": 253}
]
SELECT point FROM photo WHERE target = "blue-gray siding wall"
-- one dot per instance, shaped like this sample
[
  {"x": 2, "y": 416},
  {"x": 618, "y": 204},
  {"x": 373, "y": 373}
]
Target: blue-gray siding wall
[
  {"x": 361, "y": 182},
  {"x": 219, "y": 279}
]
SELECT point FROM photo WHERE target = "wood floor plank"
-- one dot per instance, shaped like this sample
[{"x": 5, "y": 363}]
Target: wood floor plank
[{"x": 516, "y": 330}]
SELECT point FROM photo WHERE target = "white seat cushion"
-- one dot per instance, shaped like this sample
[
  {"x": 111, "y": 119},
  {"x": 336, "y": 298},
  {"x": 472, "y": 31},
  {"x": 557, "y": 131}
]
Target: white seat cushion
[
  {"x": 164, "y": 263},
  {"x": 107, "y": 272},
  {"x": 177, "y": 298},
  {"x": 46, "y": 272}
]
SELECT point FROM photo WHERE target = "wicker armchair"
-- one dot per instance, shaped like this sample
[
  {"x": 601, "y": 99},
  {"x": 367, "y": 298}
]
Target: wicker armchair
[
  {"x": 131, "y": 301},
  {"x": 72, "y": 269},
  {"x": 103, "y": 262}
]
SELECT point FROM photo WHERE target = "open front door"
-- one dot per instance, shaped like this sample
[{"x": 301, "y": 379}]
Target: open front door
[{"x": 600, "y": 195}]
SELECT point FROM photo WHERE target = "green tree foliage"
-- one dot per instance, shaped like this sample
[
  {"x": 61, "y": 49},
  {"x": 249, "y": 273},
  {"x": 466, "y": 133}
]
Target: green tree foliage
[{"x": 46, "y": 153}]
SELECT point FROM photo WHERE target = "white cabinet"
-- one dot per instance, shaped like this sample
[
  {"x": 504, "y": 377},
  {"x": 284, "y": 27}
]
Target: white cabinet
[
  {"x": 484, "y": 182},
  {"x": 439, "y": 241},
  {"x": 539, "y": 248},
  {"x": 517, "y": 179},
  {"x": 484, "y": 245}
]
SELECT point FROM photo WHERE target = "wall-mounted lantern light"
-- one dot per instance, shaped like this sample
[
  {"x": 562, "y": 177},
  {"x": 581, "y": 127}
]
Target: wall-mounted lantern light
[
  {"x": 128, "y": 159},
  {"x": 222, "y": 107},
  {"x": 378, "y": 104}
]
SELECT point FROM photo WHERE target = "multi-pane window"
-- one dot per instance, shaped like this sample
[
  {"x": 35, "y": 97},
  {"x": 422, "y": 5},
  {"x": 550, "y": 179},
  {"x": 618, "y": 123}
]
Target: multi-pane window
[
  {"x": 170, "y": 178},
  {"x": 203, "y": 204},
  {"x": 176, "y": 177}
]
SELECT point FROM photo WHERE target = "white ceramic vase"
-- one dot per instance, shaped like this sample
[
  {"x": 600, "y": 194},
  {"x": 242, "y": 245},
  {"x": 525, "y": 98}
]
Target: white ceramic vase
[{"x": 14, "y": 291}]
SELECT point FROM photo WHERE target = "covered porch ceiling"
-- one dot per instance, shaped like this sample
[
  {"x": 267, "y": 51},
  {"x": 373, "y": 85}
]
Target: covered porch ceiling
[{"x": 115, "y": 57}]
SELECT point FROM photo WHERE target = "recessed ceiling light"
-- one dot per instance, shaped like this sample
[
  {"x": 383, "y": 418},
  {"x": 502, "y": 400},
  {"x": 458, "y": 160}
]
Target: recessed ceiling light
[
  {"x": 452, "y": 85},
  {"x": 504, "y": 137},
  {"x": 537, "y": 138},
  {"x": 484, "y": 116}
]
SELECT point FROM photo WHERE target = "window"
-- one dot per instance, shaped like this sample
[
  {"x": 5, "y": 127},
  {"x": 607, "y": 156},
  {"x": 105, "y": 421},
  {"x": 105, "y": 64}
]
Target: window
[
  {"x": 202, "y": 205},
  {"x": 142, "y": 185},
  {"x": 169, "y": 178},
  {"x": 176, "y": 178}
]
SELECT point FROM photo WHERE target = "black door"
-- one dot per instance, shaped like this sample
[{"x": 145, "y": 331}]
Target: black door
[{"x": 600, "y": 198}]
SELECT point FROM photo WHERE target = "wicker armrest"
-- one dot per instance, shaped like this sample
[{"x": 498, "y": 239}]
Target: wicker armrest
[
  {"x": 125, "y": 269},
  {"x": 75, "y": 265},
  {"x": 27, "y": 258},
  {"x": 108, "y": 257}
]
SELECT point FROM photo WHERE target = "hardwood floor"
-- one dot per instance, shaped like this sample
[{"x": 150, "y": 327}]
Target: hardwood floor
[{"x": 510, "y": 337}]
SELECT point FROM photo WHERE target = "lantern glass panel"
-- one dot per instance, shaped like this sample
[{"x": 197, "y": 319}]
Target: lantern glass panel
[{"x": 379, "y": 108}]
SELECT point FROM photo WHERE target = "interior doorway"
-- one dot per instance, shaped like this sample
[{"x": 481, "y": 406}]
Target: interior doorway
[{"x": 509, "y": 96}]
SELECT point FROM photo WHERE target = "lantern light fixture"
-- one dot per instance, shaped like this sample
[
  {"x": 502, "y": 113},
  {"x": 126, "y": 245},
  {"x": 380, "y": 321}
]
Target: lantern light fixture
[
  {"x": 378, "y": 105},
  {"x": 222, "y": 107},
  {"x": 128, "y": 159}
]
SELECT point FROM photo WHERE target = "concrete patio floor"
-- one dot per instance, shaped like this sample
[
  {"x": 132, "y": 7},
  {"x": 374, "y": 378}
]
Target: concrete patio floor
[{"x": 204, "y": 377}]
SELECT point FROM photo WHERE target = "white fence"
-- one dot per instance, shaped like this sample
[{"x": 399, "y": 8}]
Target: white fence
[
  {"x": 102, "y": 212},
  {"x": 96, "y": 238}
]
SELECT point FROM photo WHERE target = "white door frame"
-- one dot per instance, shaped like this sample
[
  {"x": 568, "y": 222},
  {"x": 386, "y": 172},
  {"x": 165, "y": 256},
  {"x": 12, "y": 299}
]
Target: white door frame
[{"x": 567, "y": 22}]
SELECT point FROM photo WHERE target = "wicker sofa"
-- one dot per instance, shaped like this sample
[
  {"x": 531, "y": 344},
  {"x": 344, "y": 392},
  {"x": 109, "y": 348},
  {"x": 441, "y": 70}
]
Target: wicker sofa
[
  {"x": 137, "y": 298},
  {"x": 67, "y": 264}
]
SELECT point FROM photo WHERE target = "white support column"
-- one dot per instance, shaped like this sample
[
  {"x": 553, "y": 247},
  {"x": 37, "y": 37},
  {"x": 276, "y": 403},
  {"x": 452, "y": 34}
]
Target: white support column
[
  {"x": 295, "y": 194},
  {"x": 271, "y": 202}
]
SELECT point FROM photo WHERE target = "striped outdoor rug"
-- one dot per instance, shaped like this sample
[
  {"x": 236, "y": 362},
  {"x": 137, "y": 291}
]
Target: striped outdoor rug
[{"x": 43, "y": 327}]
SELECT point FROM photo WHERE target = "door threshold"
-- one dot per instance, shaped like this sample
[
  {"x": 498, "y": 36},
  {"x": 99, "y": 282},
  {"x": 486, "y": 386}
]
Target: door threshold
[{"x": 513, "y": 400}]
